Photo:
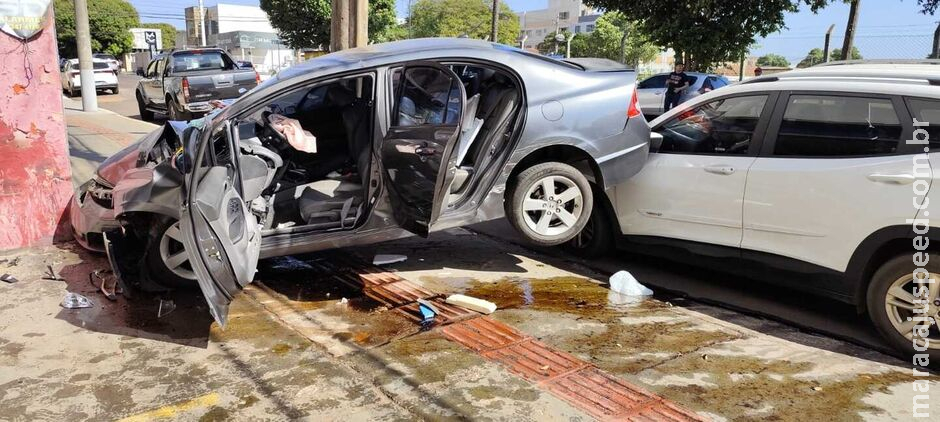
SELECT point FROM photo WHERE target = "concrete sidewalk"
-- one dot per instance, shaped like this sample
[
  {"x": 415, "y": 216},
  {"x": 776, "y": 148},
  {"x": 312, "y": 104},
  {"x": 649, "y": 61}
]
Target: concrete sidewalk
[{"x": 93, "y": 137}]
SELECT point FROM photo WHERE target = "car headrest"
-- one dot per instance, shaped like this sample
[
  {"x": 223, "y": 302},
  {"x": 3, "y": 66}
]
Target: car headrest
[{"x": 340, "y": 95}]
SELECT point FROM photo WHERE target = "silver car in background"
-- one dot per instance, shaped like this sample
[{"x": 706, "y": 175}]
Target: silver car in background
[{"x": 652, "y": 90}]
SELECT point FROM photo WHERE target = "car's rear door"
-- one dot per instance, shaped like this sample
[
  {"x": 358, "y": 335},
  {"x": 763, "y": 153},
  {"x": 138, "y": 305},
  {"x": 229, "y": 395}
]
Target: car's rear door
[
  {"x": 222, "y": 237},
  {"x": 691, "y": 188},
  {"x": 835, "y": 169},
  {"x": 418, "y": 150}
]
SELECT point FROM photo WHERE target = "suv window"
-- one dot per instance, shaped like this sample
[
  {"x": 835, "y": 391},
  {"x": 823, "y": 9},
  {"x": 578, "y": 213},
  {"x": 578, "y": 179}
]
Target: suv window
[
  {"x": 820, "y": 125},
  {"x": 724, "y": 126},
  {"x": 927, "y": 112},
  {"x": 658, "y": 81}
]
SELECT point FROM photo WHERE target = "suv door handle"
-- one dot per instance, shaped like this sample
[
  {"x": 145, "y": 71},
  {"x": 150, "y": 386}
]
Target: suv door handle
[
  {"x": 895, "y": 179},
  {"x": 720, "y": 169}
]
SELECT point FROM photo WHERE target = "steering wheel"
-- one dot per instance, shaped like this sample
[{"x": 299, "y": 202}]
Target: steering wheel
[{"x": 271, "y": 132}]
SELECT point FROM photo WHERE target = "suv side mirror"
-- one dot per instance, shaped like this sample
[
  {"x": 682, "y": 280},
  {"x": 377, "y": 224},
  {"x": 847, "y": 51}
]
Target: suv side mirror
[
  {"x": 656, "y": 141},
  {"x": 140, "y": 71}
]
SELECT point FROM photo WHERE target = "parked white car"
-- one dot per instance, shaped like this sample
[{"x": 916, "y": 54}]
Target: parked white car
[
  {"x": 652, "y": 90},
  {"x": 811, "y": 172},
  {"x": 113, "y": 63},
  {"x": 105, "y": 77}
]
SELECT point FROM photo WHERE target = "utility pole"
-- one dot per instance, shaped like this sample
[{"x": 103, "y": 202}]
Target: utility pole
[
  {"x": 202, "y": 23},
  {"x": 85, "y": 66},
  {"x": 494, "y": 22},
  {"x": 850, "y": 30},
  {"x": 826, "y": 45},
  {"x": 935, "y": 51},
  {"x": 339, "y": 26}
]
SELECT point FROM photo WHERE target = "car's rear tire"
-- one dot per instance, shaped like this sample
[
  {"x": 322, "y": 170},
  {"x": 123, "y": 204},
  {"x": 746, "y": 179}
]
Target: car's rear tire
[
  {"x": 596, "y": 239},
  {"x": 145, "y": 114},
  {"x": 549, "y": 203},
  {"x": 163, "y": 263},
  {"x": 175, "y": 113},
  {"x": 115, "y": 91},
  {"x": 890, "y": 302}
]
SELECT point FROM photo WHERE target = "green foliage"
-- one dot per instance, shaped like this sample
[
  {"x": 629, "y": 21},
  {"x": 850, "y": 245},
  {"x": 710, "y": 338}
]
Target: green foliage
[
  {"x": 109, "y": 22},
  {"x": 605, "y": 41},
  {"x": 706, "y": 32},
  {"x": 167, "y": 33},
  {"x": 306, "y": 23},
  {"x": 815, "y": 56},
  {"x": 455, "y": 18},
  {"x": 773, "y": 60}
]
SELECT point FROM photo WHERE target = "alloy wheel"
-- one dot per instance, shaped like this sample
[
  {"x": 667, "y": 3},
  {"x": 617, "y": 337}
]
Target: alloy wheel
[
  {"x": 552, "y": 205},
  {"x": 173, "y": 253},
  {"x": 900, "y": 305}
]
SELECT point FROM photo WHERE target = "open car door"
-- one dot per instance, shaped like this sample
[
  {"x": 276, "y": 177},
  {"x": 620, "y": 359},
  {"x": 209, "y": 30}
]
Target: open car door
[
  {"x": 222, "y": 238},
  {"x": 418, "y": 151}
]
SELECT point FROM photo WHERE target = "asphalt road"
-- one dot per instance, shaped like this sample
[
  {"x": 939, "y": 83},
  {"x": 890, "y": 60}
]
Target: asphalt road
[{"x": 745, "y": 295}]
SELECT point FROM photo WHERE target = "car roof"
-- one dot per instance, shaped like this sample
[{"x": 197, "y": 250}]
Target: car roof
[
  {"x": 910, "y": 72},
  {"x": 690, "y": 73}
]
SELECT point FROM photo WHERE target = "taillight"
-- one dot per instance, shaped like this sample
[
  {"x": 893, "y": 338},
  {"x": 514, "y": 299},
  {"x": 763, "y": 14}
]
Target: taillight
[
  {"x": 257, "y": 78},
  {"x": 634, "y": 109},
  {"x": 185, "y": 85}
]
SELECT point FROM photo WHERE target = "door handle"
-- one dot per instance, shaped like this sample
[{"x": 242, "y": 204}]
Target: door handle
[
  {"x": 894, "y": 179},
  {"x": 720, "y": 169},
  {"x": 425, "y": 151}
]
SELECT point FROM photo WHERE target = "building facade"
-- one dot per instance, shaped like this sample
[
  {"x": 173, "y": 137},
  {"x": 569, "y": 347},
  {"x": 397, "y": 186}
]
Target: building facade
[
  {"x": 223, "y": 18},
  {"x": 573, "y": 15}
]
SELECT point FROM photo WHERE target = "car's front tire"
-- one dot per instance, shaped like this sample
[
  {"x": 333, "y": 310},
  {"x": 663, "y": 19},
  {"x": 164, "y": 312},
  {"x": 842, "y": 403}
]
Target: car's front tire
[
  {"x": 166, "y": 260},
  {"x": 549, "y": 203},
  {"x": 596, "y": 239},
  {"x": 891, "y": 302}
]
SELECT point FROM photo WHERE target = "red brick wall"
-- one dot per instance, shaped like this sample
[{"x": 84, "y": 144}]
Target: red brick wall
[{"x": 35, "y": 178}]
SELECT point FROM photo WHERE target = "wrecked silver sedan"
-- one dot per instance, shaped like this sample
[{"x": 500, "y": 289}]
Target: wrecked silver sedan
[{"x": 411, "y": 137}]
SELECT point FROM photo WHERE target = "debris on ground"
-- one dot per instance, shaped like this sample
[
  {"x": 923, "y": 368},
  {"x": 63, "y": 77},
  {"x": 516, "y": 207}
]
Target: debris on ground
[
  {"x": 384, "y": 259},
  {"x": 10, "y": 262},
  {"x": 7, "y": 278},
  {"x": 50, "y": 274},
  {"x": 107, "y": 285},
  {"x": 472, "y": 303},
  {"x": 624, "y": 283},
  {"x": 342, "y": 302},
  {"x": 166, "y": 306},
  {"x": 75, "y": 301},
  {"x": 428, "y": 312}
]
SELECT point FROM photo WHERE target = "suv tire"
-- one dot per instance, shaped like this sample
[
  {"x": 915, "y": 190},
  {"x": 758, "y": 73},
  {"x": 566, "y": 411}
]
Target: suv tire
[
  {"x": 596, "y": 239},
  {"x": 888, "y": 319},
  {"x": 174, "y": 112},
  {"x": 163, "y": 245},
  {"x": 145, "y": 114},
  {"x": 547, "y": 218}
]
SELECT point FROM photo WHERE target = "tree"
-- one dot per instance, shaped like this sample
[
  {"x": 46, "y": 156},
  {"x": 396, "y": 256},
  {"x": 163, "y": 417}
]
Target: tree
[
  {"x": 306, "y": 23},
  {"x": 706, "y": 32},
  {"x": 815, "y": 56},
  {"x": 773, "y": 60},
  {"x": 455, "y": 18},
  {"x": 615, "y": 38},
  {"x": 167, "y": 33},
  {"x": 109, "y": 21}
]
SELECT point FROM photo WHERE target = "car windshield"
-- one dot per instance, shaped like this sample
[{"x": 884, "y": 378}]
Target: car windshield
[{"x": 200, "y": 60}]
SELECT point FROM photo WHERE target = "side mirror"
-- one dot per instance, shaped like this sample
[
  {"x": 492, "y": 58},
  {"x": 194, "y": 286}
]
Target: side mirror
[
  {"x": 656, "y": 141},
  {"x": 140, "y": 71}
]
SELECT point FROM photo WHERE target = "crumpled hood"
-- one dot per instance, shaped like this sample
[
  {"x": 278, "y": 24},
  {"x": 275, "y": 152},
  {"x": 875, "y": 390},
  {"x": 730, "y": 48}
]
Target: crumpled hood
[{"x": 113, "y": 169}]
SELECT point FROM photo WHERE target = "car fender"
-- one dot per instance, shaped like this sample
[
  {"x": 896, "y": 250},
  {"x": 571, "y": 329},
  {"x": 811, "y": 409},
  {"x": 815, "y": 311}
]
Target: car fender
[{"x": 149, "y": 189}]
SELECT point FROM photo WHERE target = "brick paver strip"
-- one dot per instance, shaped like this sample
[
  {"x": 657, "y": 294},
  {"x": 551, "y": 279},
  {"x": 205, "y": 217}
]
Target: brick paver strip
[
  {"x": 571, "y": 379},
  {"x": 447, "y": 313}
]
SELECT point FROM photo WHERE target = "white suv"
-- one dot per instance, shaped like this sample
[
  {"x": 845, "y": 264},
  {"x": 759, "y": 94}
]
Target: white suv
[{"x": 817, "y": 172}]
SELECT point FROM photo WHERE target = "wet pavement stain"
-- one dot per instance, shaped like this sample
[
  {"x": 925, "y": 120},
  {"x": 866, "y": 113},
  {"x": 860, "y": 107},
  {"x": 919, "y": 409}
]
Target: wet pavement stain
[{"x": 754, "y": 389}]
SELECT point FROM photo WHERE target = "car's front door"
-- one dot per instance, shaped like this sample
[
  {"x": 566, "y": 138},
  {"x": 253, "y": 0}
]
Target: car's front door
[
  {"x": 222, "y": 238},
  {"x": 833, "y": 171},
  {"x": 154, "y": 82},
  {"x": 692, "y": 187},
  {"x": 418, "y": 150},
  {"x": 650, "y": 93}
]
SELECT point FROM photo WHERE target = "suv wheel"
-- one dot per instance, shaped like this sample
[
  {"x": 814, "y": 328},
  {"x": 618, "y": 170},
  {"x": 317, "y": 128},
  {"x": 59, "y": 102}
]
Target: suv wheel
[
  {"x": 549, "y": 203},
  {"x": 175, "y": 113},
  {"x": 145, "y": 115},
  {"x": 596, "y": 239},
  {"x": 166, "y": 258},
  {"x": 891, "y": 305}
]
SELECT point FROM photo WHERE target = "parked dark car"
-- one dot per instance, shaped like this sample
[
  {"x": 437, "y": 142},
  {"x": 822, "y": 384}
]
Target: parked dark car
[
  {"x": 181, "y": 83},
  {"x": 412, "y": 137}
]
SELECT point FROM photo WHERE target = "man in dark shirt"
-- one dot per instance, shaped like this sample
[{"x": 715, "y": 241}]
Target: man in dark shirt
[{"x": 677, "y": 82}]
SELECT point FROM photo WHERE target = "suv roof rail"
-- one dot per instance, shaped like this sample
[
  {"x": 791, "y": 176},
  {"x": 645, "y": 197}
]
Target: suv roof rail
[
  {"x": 760, "y": 79},
  {"x": 879, "y": 61}
]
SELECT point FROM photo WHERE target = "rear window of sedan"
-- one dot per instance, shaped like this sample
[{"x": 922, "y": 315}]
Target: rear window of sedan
[{"x": 95, "y": 65}]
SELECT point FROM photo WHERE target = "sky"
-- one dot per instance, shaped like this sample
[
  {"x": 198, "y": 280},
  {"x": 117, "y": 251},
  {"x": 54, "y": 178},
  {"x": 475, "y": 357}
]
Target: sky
[{"x": 886, "y": 28}]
